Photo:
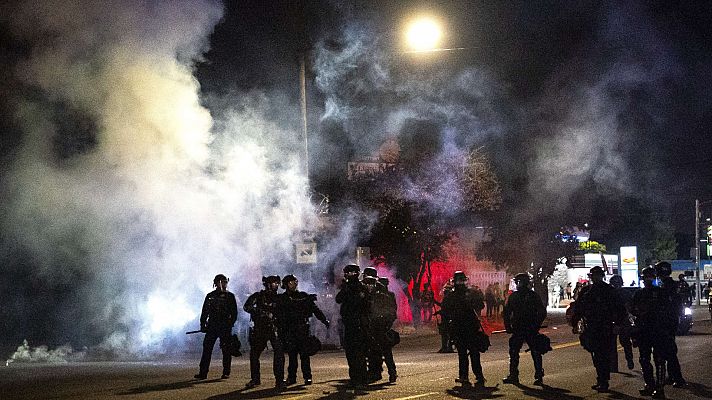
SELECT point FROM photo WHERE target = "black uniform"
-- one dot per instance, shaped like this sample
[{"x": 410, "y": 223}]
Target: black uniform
[
  {"x": 218, "y": 315},
  {"x": 354, "y": 300},
  {"x": 382, "y": 315},
  {"x": 673, "y": 364},
  {"x": 622, "y": 330},
  {"x": 294, "y": 310},
  {"x": 685, "y": 292},
  {"x": 651, "y": 307},
  {"x": 443, "y": 329},
  {"x": 262, "y": 307},
  {"x": 599, "y": 307},
  {"x": 523, "y": 315},
  {"x": 461, "y": 308}
]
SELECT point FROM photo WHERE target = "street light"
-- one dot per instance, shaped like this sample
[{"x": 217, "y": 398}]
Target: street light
[{"x": 423, "y": 34}]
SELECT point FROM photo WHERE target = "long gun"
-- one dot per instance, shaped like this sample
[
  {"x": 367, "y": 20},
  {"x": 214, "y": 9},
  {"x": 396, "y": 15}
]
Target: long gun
[{"x": 191, "y": 332}]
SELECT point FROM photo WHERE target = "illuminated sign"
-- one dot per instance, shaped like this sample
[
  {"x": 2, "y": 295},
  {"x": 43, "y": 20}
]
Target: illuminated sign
[
  {"x": 365, "y": 169},
  {"x": 629, "y": 257},
  {"x": 306, "y": 253},
  {"x": 629, "y": 265}
]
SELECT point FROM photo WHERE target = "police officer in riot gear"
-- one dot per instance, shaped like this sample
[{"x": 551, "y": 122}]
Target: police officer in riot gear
[
  {"x": 381, "y": 315},
  {"x": 663, "y": 270},
  {"x": 354, "y": 300},
  {"x": 385, "y": 317},
  {"x": 654, "y": 322},
  {"x": 599, "y": 308},
  {"x": 684, "y": 290},
  {"x": 523, "y": 315},
  {"x": 377, "y": 339},
  {"x": 294, "y": 309},
  {"x": 462, "y": 309},
  {"x": 218, "y": 315},
  {"x": 262, "y": 307},
  {"x": 445, "y": 342},
  {"x": 622, "y": 330}
]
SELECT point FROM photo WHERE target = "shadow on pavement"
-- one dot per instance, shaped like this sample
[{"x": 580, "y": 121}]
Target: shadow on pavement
[
  {"x": 618, "y": 395},
  {"x": 264, "y": 393},
  {"x": 166, "y": 386},
  {"x": 344, "y": 391},
  {"x": 547, "y": 392},
  {"x": 471, "y": 392},
  {"x": 699, "y": 390}
]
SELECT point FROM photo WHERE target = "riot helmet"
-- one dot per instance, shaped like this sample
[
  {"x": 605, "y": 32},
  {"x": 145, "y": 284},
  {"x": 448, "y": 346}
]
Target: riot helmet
[
  {"x": 220, "y": 278},
  {"x": 597, "y": 270},
  {"x": 522, "y": 280},
  {"x": 351, "y": 272},
  {"x": 616, "y": 281},
  {"x": 383, "y": 281},
  {"x": 351, "y": 268},
  {"x": 287, "y": 279},
  {"x": 648, "y": 275},
  {"x": 271, "y": 282},
  {"x": 663, "y": 269},
  {"x": 370, "y": 283},
  {"x": 220, "y": 282},
  {"x": 370, "y": 271},
  {"x": 459, "y": 278},
  {"x": 596, "y": 274}
]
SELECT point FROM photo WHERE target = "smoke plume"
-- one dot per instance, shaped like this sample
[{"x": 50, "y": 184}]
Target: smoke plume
[{"x": 123, "y": 197}]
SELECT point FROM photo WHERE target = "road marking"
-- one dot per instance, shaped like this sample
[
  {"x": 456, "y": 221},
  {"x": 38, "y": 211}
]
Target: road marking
[
  {"x": 563, "y": 345},
  {"x": 558, "y": 346},
  {"x": 569, "y": 344},
  {"x": 417, "y": 396}
]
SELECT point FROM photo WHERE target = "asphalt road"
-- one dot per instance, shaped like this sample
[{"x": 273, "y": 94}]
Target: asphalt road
[{"x": 423, "y": 373}]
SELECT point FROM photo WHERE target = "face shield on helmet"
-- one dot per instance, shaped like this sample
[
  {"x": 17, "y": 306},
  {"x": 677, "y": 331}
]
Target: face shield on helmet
[
  {"x": 351, "y": 272},
  {"x": 271, "y": 282},
  {"x": 522, "y": 281},
  {"x": 370, "y": 283},
  {"x": 220, "y": 281},
  {"x": 290, "y": 282}
]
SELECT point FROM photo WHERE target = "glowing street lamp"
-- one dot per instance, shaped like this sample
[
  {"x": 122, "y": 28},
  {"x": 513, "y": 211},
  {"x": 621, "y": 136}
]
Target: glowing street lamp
[{"x": 423, "y": 35}]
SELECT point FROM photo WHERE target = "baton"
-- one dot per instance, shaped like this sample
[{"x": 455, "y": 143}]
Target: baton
[{"x": 191, "y": 332}]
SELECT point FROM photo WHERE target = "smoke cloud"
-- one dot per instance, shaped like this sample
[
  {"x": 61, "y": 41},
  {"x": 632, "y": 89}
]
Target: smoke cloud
[
  {"x": 127, "y": 189},
  {"x": 123, "y": 196}
]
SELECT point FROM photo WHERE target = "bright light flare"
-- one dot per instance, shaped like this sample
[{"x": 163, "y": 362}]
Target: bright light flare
[
  {"x": 165, "y": 314},
  {"x": 423, "y": 34}
]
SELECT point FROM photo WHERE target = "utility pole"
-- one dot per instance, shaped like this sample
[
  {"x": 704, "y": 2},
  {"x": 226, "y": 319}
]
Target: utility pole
[
  {"x": 303, "y": 96},
  {"x": 698, "y": 285}
]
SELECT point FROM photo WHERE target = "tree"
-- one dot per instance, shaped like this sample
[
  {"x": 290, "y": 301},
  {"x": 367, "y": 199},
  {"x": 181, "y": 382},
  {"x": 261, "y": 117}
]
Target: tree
[
  {"x": 663, "y": 244},
  {"x": 533, "y": 247},
  {"x": 418, "y": 205},
  {"x": 592, "y": 246}
]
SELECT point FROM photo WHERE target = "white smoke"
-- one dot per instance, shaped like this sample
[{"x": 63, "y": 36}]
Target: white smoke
[
  {"x": 43, "y": 354},
  {"x": 141, "y": 222},
  {"x": 594, "y": 139}
]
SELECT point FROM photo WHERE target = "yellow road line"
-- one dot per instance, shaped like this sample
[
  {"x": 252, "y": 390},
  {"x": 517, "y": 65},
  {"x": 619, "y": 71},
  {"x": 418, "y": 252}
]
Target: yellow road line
[
  {"x": 563, "y": 345},
  {"x": 417, "y": 396},
  {"x": 569, "y": 344},
  {"x": 558, "y": 346}
]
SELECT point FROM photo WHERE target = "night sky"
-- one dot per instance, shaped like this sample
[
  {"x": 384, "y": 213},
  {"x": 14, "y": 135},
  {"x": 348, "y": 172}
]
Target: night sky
[
  {"x": 143, "y": 140},
  {"x": 634, "y": 76}
]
